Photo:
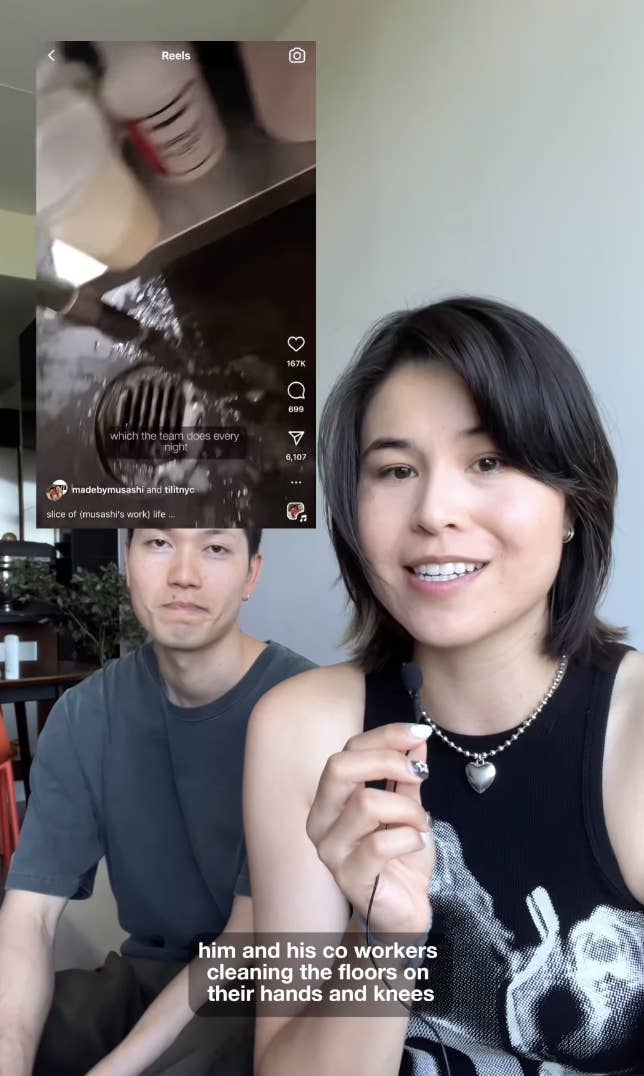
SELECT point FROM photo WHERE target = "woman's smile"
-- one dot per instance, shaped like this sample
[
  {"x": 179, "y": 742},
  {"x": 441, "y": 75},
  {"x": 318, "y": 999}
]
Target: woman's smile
[{"x": 440, "y": 580}]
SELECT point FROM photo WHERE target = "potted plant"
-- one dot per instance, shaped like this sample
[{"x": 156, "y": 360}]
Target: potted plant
[{"x": 94, "y": 609}]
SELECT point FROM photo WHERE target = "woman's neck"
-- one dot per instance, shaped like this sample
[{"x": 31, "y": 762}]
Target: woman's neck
[{"x": 488, "y": 687}]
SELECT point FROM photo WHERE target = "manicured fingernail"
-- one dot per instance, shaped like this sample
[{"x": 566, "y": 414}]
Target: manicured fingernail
[
  {"x": 420, "y": 732},
  {"x": 419, "y": 769}
]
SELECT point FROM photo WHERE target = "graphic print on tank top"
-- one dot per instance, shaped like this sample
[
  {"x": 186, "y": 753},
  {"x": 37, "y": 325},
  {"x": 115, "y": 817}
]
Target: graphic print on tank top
[
  {"x": 499, "y": 993},
  {"x": 542, "y": 972}
]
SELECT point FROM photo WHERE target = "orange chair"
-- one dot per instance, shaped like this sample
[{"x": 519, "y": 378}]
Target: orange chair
[{"x": 9, "y": 825}]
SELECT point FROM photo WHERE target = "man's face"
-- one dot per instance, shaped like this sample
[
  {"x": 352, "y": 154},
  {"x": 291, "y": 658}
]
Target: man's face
[{"x": 187, "y": 586}]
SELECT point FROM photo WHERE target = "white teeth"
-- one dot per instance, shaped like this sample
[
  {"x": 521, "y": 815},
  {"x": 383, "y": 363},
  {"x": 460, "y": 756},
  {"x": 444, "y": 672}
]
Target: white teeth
[{"x": 451, "y": 570}]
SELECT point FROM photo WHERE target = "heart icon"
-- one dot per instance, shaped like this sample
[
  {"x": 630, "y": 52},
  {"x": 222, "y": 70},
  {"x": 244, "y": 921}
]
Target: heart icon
[{"x": 296, "y": 343}]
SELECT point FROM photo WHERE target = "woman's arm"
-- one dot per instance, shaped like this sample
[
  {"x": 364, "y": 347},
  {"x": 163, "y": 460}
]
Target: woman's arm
[
  {"x": 170, "y": 1011},
  {"x": 294, "y": 731}
]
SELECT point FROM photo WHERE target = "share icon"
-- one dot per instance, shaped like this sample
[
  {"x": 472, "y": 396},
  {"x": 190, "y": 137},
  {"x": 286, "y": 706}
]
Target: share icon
[{"x": 297, "y": 436}]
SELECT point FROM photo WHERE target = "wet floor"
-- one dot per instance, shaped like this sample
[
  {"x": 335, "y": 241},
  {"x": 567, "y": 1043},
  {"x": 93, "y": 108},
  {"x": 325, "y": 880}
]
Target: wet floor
[{"x": 228, "y": 310}]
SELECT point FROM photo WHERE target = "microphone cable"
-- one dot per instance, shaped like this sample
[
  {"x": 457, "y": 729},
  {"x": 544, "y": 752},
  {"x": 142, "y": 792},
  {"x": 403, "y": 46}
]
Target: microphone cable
[{"x": 412, "y": 677}]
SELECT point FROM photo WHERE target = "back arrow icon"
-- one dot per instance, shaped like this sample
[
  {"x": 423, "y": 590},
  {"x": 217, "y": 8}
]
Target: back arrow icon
[{"x": 51, "y": 55}]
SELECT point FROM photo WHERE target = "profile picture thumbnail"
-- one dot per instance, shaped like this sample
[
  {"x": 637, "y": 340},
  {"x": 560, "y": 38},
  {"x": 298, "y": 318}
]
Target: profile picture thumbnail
[{"x": 57, "y": 490}]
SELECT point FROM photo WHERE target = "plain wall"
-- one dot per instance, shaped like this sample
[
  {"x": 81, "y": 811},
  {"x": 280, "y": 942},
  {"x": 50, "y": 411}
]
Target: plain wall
[
  {"x": 17, "y": 244},
  {"x": 483, "y": 147},
  {"x": 297, "y": 602}
]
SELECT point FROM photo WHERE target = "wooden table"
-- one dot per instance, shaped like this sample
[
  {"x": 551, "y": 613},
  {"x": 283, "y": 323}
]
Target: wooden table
[{"x": 39, "y": 680}]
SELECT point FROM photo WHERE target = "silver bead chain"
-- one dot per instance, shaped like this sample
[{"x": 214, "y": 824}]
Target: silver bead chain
[{"x": 482, "y": 756}]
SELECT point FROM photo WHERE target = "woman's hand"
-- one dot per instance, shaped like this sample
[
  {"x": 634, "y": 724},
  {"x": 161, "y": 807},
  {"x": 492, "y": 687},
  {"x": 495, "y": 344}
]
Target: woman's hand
[{"x": 347, "y": 825}]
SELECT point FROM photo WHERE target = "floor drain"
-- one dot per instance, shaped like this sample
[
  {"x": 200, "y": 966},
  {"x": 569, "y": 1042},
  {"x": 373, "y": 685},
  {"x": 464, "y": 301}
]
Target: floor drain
[{"x": 139, "y": 411}]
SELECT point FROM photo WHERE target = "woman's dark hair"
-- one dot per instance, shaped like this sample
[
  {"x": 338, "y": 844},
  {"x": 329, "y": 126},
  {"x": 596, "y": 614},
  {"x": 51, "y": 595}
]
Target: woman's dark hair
[
  {"x": 253, "y": 537},
  {"x": 535, "y": 404}
]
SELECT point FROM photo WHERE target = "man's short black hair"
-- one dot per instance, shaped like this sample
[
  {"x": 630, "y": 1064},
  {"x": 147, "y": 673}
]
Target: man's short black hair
[{"x": 253, "y": 537}]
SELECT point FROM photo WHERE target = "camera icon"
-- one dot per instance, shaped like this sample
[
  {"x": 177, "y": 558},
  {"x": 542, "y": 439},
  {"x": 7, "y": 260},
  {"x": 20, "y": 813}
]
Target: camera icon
[{"x": 297, "y": 55}]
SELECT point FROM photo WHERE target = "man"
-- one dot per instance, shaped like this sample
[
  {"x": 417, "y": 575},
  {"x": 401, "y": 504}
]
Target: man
[{"x": 142, "y": 763}]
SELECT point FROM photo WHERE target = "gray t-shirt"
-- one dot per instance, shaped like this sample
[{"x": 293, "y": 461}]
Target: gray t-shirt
[{"x": 156, "y": 788}]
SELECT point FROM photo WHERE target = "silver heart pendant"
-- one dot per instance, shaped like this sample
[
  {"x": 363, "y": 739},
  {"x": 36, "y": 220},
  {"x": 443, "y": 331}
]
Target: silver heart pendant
[{"x": 480, "y": 775}]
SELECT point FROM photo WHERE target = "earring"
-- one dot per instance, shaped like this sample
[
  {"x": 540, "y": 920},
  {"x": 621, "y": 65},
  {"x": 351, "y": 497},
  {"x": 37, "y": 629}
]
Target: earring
[
  {"x": 246, "y": 597},
  {"x": 569, "y": 535}
]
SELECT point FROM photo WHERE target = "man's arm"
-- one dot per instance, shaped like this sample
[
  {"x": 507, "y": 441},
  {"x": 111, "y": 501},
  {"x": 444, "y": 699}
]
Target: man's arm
[
  {"x": 170, "y": 1011},
  {"x": 28, "y": 924},
  {"x": 58, "y": 850}
]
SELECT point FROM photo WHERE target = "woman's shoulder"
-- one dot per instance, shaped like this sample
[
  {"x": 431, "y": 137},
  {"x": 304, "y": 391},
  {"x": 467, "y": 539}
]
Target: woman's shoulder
[
  {"x": 626, "y": 714},
  {"x": 631, "y": 667},
  {"x": 324, "y": 683},
  {"x": 623, "y": 768},
  {"x": 325, "y": 705}
]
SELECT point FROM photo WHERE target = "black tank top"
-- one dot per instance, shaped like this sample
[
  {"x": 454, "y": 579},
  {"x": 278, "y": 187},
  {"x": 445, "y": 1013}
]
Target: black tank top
[{"x": 541, "y": 945}]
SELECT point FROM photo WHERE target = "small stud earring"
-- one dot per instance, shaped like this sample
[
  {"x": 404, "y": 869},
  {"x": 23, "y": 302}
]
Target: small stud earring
[
  {"x": 569, "y": 535},
  {"x": 246, "y": 597}
]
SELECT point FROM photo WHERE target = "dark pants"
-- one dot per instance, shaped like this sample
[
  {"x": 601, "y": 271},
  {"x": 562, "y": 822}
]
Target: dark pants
[{"x": 93, "y": 1011}]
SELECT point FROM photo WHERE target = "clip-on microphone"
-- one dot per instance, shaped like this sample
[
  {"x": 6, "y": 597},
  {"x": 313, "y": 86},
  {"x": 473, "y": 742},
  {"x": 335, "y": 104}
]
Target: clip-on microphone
[{"x": 412, "y": 678}]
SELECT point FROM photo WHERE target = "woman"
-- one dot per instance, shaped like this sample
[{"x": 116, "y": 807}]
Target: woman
[{"x": 470, "y": 492}]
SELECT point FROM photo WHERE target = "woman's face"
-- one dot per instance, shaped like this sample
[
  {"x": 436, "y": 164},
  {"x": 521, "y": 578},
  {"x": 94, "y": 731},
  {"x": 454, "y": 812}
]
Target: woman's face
[{"x": 435, "y": 496}]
